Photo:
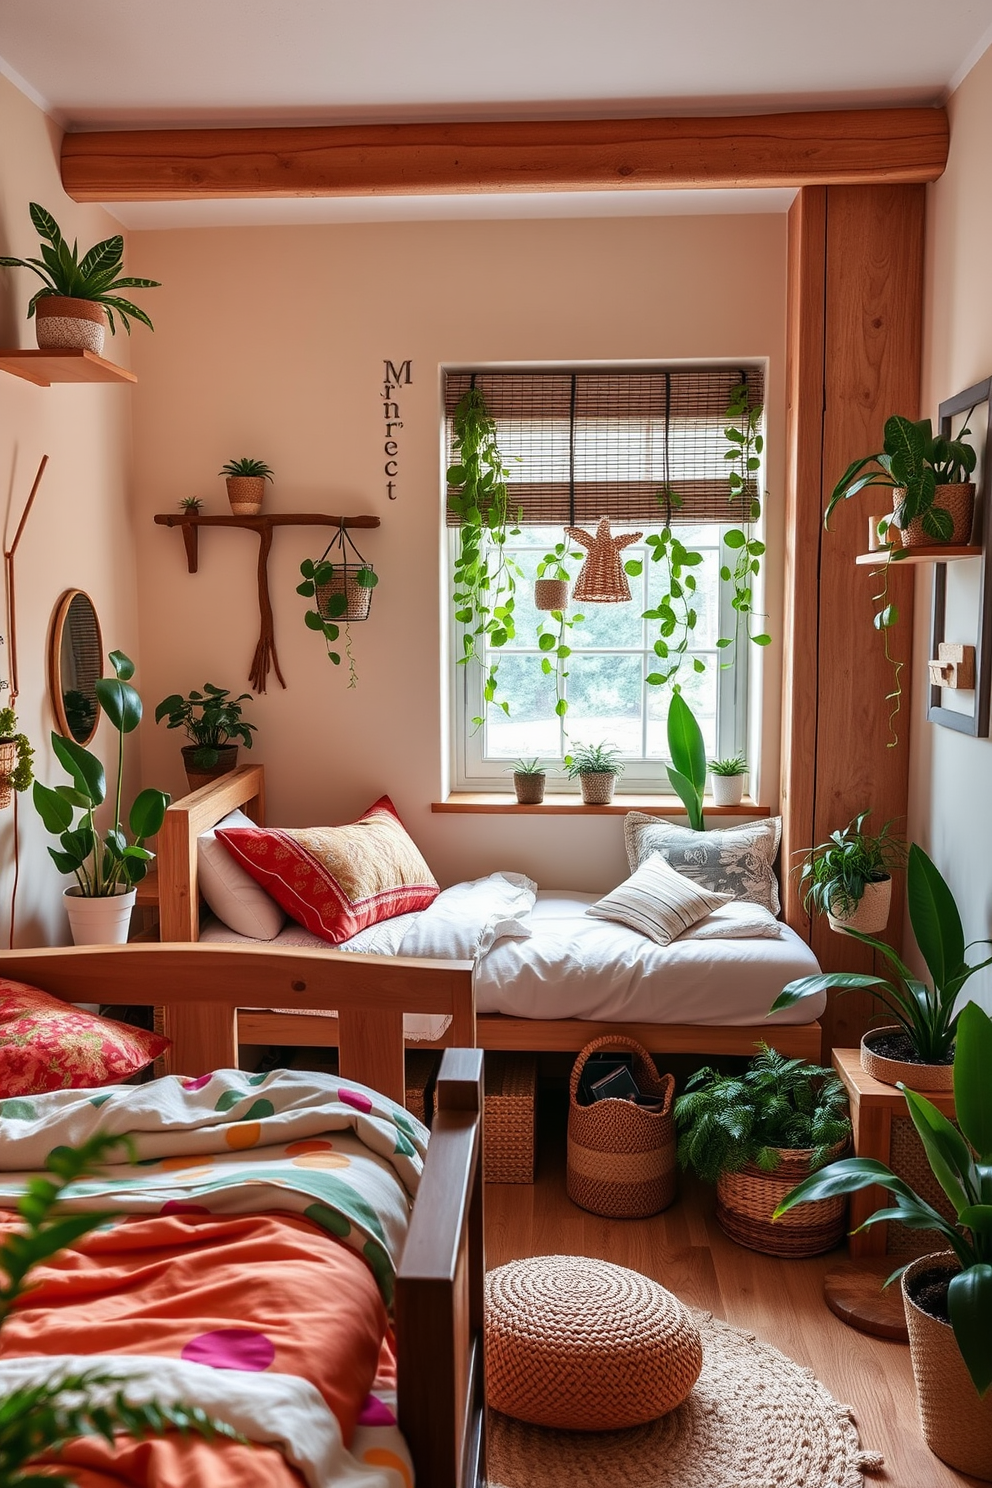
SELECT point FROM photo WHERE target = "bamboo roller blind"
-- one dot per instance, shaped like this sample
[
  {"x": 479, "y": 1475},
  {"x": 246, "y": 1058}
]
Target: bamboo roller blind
[{"x": 586, "y": 444}]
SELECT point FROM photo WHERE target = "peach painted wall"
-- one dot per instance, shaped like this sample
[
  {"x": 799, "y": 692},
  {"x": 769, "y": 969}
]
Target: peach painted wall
[
  {"x": 80, "y": 533},
  {"x": 951, "y": 774},
  {"x": 270, "y": 342}
]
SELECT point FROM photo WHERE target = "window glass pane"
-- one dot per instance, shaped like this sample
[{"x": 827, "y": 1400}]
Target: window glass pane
[
  {"x": 532, "y": 727},
  {"x": 605, "y": 702},
  {"x": 700, "y": 692}
]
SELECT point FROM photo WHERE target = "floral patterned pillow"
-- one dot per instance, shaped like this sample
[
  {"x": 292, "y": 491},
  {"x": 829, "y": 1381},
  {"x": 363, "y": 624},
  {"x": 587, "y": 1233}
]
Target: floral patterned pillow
[
  {"x": 46, "y": 1044},
  {"x": 739, "y": 861}
]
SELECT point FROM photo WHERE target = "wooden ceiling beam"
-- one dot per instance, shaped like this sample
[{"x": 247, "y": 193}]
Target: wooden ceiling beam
[{"x": 858, "y": 147}]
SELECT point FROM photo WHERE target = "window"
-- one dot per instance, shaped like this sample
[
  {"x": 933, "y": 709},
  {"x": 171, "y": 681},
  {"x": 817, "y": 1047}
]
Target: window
[{"x": 581, "y": 446}]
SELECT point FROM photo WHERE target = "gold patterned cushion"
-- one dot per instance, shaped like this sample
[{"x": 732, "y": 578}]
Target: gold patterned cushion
[
  {"x": 338, "y": 880},
  {"x": 46, "y": 1044}
]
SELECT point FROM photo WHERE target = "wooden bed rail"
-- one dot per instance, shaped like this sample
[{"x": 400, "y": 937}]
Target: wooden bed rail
[
  {"x": 439, "y": 1290},
  {"x": 200, "y": 988}
]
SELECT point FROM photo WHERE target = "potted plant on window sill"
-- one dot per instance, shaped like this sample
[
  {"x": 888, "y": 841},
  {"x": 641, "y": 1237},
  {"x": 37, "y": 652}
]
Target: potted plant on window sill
[
  {"x": 934, "y": 502},
  {"x": 753, "y": 1135},
  {"x": 107, "y": 868},
  {"x": 849, "y": 877},
  {"x": 78, "y": 297},
  {"x": 529, "y": 779},
  {"x": 727, "y": 780},
  {"x": 212, "y": 719},
  {"x": 919, "y": 1048},
  {"x": 16, "y": 754},
  {"x": 597, "y": 768},
  {"x": 947, "y": 1296}
]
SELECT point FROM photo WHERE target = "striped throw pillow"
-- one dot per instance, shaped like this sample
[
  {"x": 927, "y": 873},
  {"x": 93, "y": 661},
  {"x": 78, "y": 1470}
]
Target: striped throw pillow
[{"x": 658, "y": 902}]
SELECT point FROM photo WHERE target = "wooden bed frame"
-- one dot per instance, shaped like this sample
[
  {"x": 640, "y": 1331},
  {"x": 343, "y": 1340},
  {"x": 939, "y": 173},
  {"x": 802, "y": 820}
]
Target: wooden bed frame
[
  {"x": 179, "y": 918},
  {"x": 439, "y": 1286}
]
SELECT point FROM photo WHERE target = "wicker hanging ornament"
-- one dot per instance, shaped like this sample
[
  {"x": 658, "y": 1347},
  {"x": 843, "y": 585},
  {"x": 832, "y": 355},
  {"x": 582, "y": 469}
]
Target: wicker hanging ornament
[{"x": 602, "y": 579}]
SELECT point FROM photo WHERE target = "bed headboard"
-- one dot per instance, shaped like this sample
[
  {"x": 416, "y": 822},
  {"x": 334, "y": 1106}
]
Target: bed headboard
[{"x": 178, "y": 895}]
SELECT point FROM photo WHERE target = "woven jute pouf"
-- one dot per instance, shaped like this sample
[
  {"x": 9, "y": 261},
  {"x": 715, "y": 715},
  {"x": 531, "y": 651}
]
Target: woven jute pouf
[{"x": 585, "y": 1345}]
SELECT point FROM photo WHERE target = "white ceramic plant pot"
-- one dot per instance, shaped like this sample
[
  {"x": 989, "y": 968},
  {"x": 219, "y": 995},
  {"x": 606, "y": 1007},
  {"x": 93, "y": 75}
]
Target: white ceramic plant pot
[
  {"x": 103, "y": 921},
  {"x": 727, "y": 789},
  {"x": 871, "y": 913}
]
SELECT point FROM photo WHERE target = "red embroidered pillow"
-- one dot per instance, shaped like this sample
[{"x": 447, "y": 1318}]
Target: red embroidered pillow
[
  {"x": 338, "y": 880},
  {"x": 46, "y": 1044}
]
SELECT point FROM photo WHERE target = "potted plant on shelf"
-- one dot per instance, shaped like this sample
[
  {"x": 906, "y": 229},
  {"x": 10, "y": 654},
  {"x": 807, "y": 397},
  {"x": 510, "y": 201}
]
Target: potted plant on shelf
[
  {"x": 529, "y": 778},
  {"x": 687, "y": 772},
  {"x": 928, "y": 475},
  {"x": 106, "y": 868},
  {"x": 246, "y": 485},
  {"x": 754, "y": 1135},
  {"x": 212, "y": 719},
  {"x": 596, "y": 767},
  {"x": 919, "y": 1048},
  {"x": 849, "y": 877},
  {"x": 191, "y": 505},
  {"x": 78, "y": 297},
  {"x": 727, "y": 780},
  {"x": 948, "y": 1296},
  {"x": 16, "y": 754}
]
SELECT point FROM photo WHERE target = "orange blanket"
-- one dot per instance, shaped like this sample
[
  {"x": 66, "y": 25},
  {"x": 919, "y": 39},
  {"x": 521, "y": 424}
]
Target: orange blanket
[{"x": 251, "y": 1293}]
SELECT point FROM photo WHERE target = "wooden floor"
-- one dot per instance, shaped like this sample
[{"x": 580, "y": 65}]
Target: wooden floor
[{"x": 780, "y": 1301}]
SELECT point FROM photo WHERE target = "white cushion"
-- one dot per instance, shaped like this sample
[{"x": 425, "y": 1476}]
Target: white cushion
[
  {"x": 738, "y": 920},
  {"x": 657, "y": 902},
  {"x": 230, "y": 891}
]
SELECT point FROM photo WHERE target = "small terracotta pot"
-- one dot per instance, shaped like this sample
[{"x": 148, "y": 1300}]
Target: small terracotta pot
[
  {"x": 956, "y": 1421},
  {"x": 529, "y": 787},
  {"x": 597, "y": 788},
  {"x": 8, "y": 759},
  {"x": 61, "y": 322},
  {"x": 727, "y": 789},
  {"x": 870, "y": 914},
  {"x": 551, "y": 594},
  {"x": 958, "y": 499},
  {"x": 891, "y": 1071},
  {"x": 198, "y": 775},
  {"x": 245, "y": 493}
]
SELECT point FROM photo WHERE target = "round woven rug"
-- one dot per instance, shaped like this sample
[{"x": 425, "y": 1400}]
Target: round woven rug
[{"x": 755, "y": 1419}]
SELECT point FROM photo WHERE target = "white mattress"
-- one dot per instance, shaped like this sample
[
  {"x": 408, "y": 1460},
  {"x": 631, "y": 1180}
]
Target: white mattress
[{"x": 575, "y": 966}]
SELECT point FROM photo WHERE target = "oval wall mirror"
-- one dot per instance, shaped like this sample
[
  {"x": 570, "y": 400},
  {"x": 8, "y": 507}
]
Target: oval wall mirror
[{"x": 75, "y": 663}]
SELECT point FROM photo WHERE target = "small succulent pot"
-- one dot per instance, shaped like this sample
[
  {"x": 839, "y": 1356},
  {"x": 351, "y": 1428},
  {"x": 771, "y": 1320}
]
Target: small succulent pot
[
  {"x": 597, "y": 788},
  {"x": 551, "y": 594},
  {"x": 8, "y": 760},
  {"x": 891, "y": 1070},
  {"x": 958, "y": 499},
  {"x": 870, "y": 914},
  {"x": 727, "y": 789},
  {"x": 199, "y": 775},
  {"x": 245, "y": 493},
  {"x": 358, "y": 599},
  {"x": 529, "y": 786},
  {"x": 955, "y": 1420},
  {"x": 63, "y": 323}
]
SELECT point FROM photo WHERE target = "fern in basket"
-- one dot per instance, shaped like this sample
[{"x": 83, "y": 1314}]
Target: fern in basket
[
  {"x": 40, "y": 1419},
  {"x": 727, "y": 1121}
]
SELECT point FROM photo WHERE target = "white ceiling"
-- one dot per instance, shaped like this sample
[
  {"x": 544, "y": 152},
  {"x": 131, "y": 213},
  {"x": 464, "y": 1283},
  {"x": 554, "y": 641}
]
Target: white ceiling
[{"x": 146, "y": 63}]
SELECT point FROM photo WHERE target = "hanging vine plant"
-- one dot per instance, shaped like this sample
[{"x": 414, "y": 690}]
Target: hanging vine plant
[
  {"x": 342, "y": 592},
  {"x": 746, "y": 444},
  {"x": 675, "y": 611},
  {"x": 485, "y": 574},
  {"x": 553, "y": 632}
]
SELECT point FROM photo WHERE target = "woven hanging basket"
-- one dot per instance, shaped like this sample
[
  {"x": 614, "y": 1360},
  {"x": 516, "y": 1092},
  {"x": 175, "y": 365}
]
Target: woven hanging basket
[
  {"x": 344, "y": 580},
  {"x": 550, "y": 594},
  {"x": 746, "y": 1201},
  {"x": 621, "y": 1157},
  {"x": 958, "y": 499},
  {"x": 601, "y": 578},
  {"x": 8, "y": 760},
  {"x": 956, "y": 1421}
]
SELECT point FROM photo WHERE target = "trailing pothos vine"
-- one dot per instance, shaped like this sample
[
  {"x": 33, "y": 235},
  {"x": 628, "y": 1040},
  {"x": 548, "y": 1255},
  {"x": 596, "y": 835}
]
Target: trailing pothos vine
[
  {"x": 746, "y": 444},
  {"x": 553, "y": 632},
  {"x": 675, "y": 611},
  {"x": 485, "y": 574}
]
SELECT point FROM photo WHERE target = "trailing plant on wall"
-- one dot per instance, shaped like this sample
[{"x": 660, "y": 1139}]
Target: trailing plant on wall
[
  {"x": 341, "y": 592},
  {"x": 746, "y": 444},
  {"x": 676, "y": 610},
  {"x": 553, "y": 632},
  {"x": 484, "y": 574}
]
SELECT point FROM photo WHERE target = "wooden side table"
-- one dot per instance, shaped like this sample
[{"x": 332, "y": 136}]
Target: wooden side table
[{"x": 873, "y": 1106}]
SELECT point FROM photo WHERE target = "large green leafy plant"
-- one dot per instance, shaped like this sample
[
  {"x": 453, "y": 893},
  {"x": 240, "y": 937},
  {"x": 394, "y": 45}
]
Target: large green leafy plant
[
  {"x": 108, "y": 864},
  {"x": 917, "y": 461},
  {"x": 778, "y": 1104},
  {"x": 687, "y": 772},
  {"x": 833, "y": 875},
  {"x": 39, "y": 1420},
  {"x": 924, "y": 1012},
  {"x": 96, "y": 277},
  {"x": 961, "y": 1162},
  {"x": 211, "y": 718}
]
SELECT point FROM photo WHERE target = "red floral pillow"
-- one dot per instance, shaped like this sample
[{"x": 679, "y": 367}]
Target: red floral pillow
[
  {"x": 46, "y": 1044},
  {"x": 338, "y": 880}
]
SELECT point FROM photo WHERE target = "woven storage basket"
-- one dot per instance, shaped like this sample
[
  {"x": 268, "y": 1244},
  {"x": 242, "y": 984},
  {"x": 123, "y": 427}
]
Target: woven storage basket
[
  {"x": 621, "y": 1157},
  {"x": 745, "y": 1202},
  {"x": 509, "y": 1118},
  {"x": 584, "y": 1345},
  {"x": 344, "y": 580},
  {"x": 8, "y": 759},
  {"x": 956, "y": 1421}
]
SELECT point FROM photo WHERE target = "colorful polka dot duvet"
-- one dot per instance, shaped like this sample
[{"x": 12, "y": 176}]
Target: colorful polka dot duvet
[{"x": 248, "y": 1265}]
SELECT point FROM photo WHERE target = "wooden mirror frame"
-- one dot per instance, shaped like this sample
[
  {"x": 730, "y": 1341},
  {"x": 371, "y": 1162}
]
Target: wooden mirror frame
[{"x": 59, "y": 620}]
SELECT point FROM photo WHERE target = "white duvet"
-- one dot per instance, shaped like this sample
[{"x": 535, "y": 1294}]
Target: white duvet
[{"x": 539, "y": 955}]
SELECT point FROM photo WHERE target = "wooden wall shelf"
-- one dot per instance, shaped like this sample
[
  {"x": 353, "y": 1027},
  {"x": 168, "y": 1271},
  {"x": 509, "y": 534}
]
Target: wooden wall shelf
[
  {"x": 70, "y": 364},
  {"x": 938, "y": 553},
  {"x": 265, "y": 652}
]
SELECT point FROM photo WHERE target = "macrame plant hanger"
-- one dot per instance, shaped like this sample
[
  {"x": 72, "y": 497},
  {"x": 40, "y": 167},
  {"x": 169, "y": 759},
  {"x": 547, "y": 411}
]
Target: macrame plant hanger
[
  {"x": 601, "y": 578},
  {"x": 342, "y": 596}
]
